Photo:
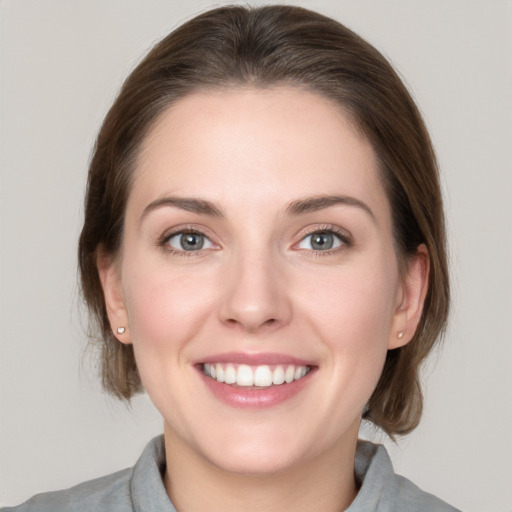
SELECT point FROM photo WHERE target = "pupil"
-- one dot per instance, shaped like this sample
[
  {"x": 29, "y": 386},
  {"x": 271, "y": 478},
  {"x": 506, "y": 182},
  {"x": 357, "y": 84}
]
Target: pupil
[
  {"x": 191, "y": 241},
  {"x": 322, "y": 241}
]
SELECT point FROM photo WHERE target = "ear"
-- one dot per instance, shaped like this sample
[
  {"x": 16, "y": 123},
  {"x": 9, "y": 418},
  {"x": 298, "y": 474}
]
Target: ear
[
  {"x": 410, "y": 299},
  {"x": 110, "y": 277}
]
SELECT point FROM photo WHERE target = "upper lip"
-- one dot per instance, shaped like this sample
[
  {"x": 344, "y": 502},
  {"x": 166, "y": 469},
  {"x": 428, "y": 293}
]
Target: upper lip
[{"x": 254, "y": 359}]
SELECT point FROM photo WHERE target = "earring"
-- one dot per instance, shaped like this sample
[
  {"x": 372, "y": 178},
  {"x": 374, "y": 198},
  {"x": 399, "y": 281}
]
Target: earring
[
  {"x": 120, "y": 330},
  {"x": 400, "y": 334}
]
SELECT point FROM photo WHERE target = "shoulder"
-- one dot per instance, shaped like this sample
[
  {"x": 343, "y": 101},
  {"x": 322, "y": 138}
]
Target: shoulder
[
  {"x": 110, "y": 492},
  {"x": 382, "y": 490},
  {"x": 409, "y": 497},
  {"x": 124, "y": 491}
]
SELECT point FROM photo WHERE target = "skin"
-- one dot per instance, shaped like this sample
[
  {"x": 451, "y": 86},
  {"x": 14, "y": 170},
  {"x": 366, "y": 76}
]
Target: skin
[{"x": 258, "y": 286}]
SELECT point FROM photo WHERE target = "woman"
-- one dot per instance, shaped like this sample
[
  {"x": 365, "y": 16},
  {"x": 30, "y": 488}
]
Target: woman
[{"x": 264, "y": 252}]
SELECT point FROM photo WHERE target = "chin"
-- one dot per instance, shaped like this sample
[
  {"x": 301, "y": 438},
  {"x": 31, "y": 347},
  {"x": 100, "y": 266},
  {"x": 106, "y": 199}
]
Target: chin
[
  {"x": 259, "y": 451},
  {"x": 255, "y": 460}
]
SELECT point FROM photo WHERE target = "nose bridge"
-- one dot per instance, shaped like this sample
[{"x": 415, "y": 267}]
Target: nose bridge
[{"x": 255, "y": 296}]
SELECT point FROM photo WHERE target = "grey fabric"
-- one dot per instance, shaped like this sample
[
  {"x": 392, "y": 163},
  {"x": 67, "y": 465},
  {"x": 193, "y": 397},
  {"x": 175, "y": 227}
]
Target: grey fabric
[
  {"x": 382, "y": 490},
  {"x": 141, "y": 489}
]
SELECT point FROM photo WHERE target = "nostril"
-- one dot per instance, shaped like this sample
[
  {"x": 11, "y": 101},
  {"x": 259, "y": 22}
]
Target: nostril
[{"x": 252, "y": 325}]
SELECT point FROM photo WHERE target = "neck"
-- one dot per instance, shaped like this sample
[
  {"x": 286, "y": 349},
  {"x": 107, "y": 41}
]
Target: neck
[{"x": 325, "y": 482}]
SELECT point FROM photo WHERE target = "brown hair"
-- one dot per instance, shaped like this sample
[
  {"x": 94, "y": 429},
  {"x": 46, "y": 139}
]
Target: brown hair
[{"x": 264, "y": 47}]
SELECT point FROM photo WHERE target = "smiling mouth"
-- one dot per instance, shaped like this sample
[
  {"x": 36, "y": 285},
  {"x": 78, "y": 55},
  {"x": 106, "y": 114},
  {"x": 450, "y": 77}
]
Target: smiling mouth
[{"x": 262, "y": 376}]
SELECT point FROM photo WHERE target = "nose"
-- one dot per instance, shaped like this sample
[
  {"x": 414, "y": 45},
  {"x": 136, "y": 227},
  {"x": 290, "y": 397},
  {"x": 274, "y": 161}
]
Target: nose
[{"x": 255, "y": 295}]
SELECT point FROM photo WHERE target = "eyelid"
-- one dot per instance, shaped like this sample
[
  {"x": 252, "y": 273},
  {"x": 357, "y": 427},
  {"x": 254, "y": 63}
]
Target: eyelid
[
  {"x": 183, "y": 229},
  {"x": 344, "y": 235},
  {"x": 207, "y": 243}
]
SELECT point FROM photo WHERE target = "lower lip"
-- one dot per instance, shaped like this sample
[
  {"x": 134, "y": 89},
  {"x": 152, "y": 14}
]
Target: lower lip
[{"x": 255, "y": 398}]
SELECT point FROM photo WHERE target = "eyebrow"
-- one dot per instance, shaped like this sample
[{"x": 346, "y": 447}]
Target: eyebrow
[
  {"x": 316, "y": 203},
  {"x": 184, "y": 203},
  {"x": 298, "y": 207}
]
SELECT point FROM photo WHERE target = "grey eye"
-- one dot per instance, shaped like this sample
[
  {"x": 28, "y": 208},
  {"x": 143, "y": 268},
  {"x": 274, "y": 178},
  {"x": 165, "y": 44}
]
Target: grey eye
[
  {"x": 189, "y": 242},
  {"x": 320, "y": 241}
]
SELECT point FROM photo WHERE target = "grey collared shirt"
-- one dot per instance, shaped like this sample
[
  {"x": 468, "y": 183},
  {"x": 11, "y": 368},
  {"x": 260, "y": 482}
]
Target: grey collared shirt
[{"x": 141, "y": 488}]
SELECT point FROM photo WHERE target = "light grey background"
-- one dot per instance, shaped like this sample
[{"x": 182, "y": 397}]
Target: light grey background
[{"x": 61, "y": 64}]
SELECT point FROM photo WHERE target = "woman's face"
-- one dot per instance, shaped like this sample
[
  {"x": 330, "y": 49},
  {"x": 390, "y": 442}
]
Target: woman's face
[{"x": 258, "y": 248}]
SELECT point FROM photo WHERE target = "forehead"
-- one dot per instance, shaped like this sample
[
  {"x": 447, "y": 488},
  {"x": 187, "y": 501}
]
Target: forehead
[{"x": 256, "y": 146}]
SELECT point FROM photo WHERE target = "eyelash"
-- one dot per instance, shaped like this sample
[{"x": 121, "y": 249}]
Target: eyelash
[
  {"x": 164, "y": 242},
  {"x": 342, "y": 235},
  {"x": 345, "y": 238}
]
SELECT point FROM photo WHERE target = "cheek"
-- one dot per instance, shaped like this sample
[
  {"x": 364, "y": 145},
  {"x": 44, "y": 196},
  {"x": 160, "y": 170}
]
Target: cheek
[
  {"x": 353, "y": 303},
  {"x": 352, "y": 314},
  {"x": 165, "y": 308}
]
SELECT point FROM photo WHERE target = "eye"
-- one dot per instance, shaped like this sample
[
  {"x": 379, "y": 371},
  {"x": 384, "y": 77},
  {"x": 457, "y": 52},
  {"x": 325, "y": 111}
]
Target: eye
[
  {"x": 321, "y": 241},
  {"x": 189, "y": 241}
]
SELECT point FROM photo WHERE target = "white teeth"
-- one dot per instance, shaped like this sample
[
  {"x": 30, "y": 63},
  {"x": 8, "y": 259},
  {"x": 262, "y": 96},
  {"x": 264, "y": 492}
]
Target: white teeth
[
  {"x": 219, "y": 370},
  {"x": 278, "y": 376},
  {"x": 262, "y": 376},
  {"x": 259, "y": 376},
  {"x": 230, "y": 374},
  {"x": 244, "y": 376}
]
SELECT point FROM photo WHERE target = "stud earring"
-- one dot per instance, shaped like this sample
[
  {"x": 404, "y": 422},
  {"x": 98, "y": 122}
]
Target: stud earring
[
  {"x": 400, "y": 335},
  {"x": 120, "y": 330}
]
